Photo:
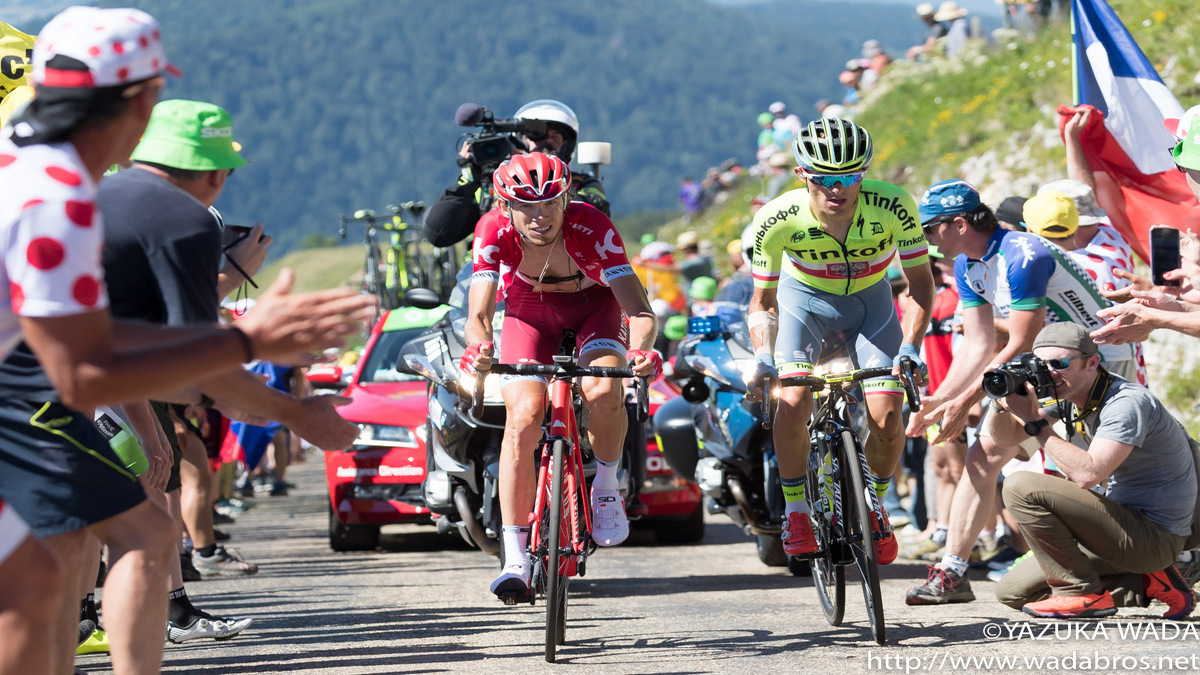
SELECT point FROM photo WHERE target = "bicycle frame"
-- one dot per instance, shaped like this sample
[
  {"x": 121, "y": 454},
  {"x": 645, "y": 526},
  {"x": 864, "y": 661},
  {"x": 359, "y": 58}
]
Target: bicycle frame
[{"x": 562, "y": 427}]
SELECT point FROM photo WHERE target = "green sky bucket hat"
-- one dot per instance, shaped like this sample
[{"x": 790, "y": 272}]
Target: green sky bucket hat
[{"x": 189, "y": 135}]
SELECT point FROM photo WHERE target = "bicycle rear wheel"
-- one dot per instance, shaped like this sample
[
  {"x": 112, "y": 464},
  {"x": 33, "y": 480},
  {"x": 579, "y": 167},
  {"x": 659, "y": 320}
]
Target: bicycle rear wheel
[
  {"x": 829, "y": 578},
  {"x": 858, "y": 527},
  {"x": 556, "y": 577}
]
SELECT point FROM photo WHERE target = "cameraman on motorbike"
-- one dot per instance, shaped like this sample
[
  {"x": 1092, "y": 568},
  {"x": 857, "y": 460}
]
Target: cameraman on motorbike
[
  {"x": 453, "y": 216},
  {"x": 558, "y": 265}
]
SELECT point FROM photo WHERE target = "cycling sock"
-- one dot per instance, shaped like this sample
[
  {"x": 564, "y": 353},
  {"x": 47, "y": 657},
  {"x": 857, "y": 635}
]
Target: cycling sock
[
  {"x": 954, "y": 564},
  {"x": 606, "y": 475},
  {"x": 208, "y": 551},
  {"x": 880, "y": 486},
  {"x": 514, "y": 539},
  {"x": 793, "y": 488},
  {"x": 180, "y": 610},
  {"x": 793, "y": 496},
  {"x": 939, "y": 535}
]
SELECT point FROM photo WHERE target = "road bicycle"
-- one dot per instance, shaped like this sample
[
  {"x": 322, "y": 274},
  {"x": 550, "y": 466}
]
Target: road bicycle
[
  {"x": 841, "y": 503},
  {"x": 560, "y": 539}
]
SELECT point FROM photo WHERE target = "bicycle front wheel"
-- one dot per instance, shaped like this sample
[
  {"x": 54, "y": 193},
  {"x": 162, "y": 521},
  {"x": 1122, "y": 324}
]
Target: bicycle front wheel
[
  {"x": 556, "y": 573},
  {"x": 858, "y": 527},
  {"x": 829, "y": 578}
]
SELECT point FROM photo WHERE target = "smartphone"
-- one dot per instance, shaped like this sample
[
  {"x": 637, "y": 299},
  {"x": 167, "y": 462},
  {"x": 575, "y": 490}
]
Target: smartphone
[{"x": 1164, "y": 254}]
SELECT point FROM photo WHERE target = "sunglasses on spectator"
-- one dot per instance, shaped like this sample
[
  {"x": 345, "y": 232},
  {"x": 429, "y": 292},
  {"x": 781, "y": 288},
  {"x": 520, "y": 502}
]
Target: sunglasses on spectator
[
  {"x": 830, "y": 181},
  {"x": 935, "y": 222},
  {"x": 1063, "y": 362}
]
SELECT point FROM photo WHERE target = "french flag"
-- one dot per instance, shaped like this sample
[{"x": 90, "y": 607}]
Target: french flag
[{"x": 1126, "y": 144}]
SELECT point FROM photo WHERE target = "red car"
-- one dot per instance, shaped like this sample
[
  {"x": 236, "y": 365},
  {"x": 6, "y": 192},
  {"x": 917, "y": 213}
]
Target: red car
[
  {"x": 378, "y": 480},
  {"x": 674, "y": 507}
]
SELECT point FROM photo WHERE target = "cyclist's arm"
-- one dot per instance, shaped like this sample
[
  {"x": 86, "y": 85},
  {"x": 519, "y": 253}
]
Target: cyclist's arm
[
  {"x": 481, "y": 307},
  {"x": 762, "y": 335},
  {"x": 631, "y": 295}
]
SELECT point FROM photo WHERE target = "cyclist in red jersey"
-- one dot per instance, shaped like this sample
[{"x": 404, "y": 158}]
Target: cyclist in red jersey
[{"x": 558, "y": 265}]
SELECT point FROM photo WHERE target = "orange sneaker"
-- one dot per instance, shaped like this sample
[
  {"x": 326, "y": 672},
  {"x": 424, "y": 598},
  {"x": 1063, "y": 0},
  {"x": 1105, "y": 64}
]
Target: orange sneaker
[
  {"x": 798, "y": 537},
  {"x": 1091, "y": 606},
  {"x": 1169, "y": 587},
  {"x": 886, "y": 548}
]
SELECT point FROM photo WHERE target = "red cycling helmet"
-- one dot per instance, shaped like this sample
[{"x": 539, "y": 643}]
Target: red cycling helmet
[{"x": 532, "y": 178}]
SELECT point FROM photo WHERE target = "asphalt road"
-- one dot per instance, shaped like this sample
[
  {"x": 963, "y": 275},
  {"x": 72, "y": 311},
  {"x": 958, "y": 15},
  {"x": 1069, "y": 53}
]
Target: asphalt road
[{"x": 420, "y": 605}]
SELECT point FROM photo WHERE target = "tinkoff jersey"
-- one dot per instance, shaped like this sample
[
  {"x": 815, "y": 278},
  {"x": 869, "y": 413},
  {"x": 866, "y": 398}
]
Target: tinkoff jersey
[{"x": 884, "y": 222}]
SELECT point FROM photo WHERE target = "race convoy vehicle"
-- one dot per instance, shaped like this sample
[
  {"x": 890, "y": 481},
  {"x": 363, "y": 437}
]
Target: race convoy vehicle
[{"x": 378, "y": 480}]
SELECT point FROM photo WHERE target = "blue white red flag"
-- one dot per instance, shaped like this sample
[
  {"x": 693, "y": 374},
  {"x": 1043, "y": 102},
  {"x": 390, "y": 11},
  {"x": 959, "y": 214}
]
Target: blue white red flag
[{"x": 1127, "y": 146}]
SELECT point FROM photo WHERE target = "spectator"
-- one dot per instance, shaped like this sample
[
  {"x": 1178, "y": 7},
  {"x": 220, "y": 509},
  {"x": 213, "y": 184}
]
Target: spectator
[
  {"x": 700, "y": 295},
  {"x": 693, "y": 266},
  {"x": 1087, "y": 545},
  {"x": 1096, "y": 234},
  {"x": 1035, "y": 277},
  {"x": 957, "y": 27},
  {"x": 91, "y": 107},
  {"x": 739, "y": 291},
  {"x": 934, "y": 30},
  {"x": 875, "y": 60},
  {"x": 849, "y": 78},
  {"x": 786, "y": 124},
  {"x": 766, "y": 137},
  {"x": 1009, "y": 214},
  {"x": 690, "y": 198}
]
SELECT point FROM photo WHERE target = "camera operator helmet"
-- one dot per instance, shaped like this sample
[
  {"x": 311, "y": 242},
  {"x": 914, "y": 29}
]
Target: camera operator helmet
[
  {"x": 833, "y": 145},
  {"x": 558, "y": 116},
  {"x": 532, "y": 178}
]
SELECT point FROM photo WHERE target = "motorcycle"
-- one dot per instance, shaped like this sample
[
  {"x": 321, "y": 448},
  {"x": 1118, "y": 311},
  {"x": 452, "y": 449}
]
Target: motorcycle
[
  {"x": 463, "y": 448},
  {"x": 713, "y": 433}
]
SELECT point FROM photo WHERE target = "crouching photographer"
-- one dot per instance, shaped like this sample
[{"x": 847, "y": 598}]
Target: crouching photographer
[
  {"x": 1108, "y": 534},
  {"x": 544, "y": 125}
]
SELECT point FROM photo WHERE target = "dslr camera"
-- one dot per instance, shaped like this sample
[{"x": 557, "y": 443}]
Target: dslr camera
[
  {"x": 490, "y": 146},
  {"x": 1011, "y": 377}
]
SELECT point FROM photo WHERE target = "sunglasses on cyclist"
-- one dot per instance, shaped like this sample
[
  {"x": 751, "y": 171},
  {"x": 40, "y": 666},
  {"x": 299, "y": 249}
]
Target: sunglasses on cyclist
[
  {"x": 830, "y": 181},
  {"x": 1063, "y": 362}
]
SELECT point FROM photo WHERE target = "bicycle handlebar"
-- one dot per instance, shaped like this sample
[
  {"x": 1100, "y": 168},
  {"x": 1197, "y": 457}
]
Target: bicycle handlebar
[
  {"x": 562, "y": 370},
  {"x": 908, "y": 379}
]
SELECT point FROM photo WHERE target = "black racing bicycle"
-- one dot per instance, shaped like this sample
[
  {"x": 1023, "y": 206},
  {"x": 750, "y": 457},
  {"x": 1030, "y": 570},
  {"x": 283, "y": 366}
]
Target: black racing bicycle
[{"x": 841, "y": 503}]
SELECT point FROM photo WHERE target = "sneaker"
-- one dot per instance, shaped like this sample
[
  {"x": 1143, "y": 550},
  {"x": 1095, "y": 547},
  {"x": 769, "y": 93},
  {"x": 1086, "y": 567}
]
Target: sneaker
[
  {"x": 887, "y": 547},
  {"x": 1168, "y": 586},
  {"x": 512, "y": 586},
  {"x": 1093, "y": 606},
  {"x": 997, "y": 575},
  {"x": 190, "y": 573},
  {"x": 206, "y": 626},
  {"x": 610, "y": 525},
  {"x": 941, "y": 588},
  {"x": 223, "y": 563},
  {"x": 279, "y": 489},
  {"x": 220, "y": 535},
  {"x": 86, "y": 628},
  {"x": 239, "y": 504},
  {"x": 97, "y": 643},
  {"x": 219, "y": 518},
  {"x": 227, "y": 508},
  {"x": 917, "y": 549},
  {"x": 1190, "y": 570},
  {"x": 798, "y": 537}
]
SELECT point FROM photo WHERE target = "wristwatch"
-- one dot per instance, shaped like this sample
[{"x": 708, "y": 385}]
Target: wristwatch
[{"x": 1034, "y": 428}]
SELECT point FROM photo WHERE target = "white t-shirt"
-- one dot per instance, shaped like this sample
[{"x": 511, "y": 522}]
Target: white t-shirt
[{"x": 52, "y": 235}]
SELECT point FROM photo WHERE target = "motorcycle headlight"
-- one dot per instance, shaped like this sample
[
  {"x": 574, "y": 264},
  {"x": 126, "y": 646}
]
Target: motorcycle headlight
[{"x": 385, "y": 435}]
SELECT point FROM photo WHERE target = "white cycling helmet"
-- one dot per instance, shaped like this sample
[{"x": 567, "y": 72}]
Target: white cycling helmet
[
  {"x": 748, "y": 243},
  {"x": 557, "y": 113}
]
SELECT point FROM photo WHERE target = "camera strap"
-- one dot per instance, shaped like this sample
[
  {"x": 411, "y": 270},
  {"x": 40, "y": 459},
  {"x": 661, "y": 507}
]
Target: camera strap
[{"x": 1095, "y": 397}]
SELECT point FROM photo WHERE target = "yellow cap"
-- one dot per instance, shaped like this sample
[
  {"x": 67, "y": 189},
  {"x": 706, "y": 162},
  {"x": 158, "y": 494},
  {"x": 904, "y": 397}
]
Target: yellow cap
[{"x": 1051, "y": 214}]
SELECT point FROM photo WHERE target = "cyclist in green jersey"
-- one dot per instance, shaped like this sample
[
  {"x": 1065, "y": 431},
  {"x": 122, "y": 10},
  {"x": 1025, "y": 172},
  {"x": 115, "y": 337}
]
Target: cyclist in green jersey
[{"x": 835, "y": 238}]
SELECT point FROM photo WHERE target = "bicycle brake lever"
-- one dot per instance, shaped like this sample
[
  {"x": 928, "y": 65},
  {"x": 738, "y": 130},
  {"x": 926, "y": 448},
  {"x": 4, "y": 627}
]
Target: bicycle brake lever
[
  {"x": 477, "y": 395},
  {"x": 908, "y": 373},
  {"x": 643, "y": 400},
  {"x": 768, "y": 402}
]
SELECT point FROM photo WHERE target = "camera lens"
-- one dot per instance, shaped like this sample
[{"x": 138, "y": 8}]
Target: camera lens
[{"x": 998, "y": 383}]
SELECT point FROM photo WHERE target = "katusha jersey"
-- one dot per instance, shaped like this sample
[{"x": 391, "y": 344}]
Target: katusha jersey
[
  {"x": 1026, "y": 272},
  {"x": 884, "y": 222},
  {"x": 589, "y": 236}
]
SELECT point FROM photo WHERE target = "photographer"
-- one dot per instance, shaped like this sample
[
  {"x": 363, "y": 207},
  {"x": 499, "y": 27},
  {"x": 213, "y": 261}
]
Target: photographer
[
  {"x": 452, "y": 217},
  {"x": 1094, "y": 552},
  {"x": 1027, "y": 280}
]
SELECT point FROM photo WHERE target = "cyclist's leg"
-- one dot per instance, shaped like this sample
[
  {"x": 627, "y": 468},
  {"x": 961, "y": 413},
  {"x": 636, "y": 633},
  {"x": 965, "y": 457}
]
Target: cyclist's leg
[
  {"x": 31, "y": 588},
  {"x": 803, "y": 318},
  {"x": 602, "y": 340},
  {"x": 876, "y": 335}
]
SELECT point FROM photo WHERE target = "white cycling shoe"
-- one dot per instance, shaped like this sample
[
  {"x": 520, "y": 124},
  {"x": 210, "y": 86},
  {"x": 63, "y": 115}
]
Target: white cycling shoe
[
  {"x": 610, "y": 525},
  {"x": 513, "y": 582}
]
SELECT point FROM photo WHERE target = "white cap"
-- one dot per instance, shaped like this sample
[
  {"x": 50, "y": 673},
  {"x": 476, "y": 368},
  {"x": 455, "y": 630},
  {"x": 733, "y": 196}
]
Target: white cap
[
  {"x": 777, "y": 107},
  {"x": 1179, "y": 126},
  {"x": 117, "y": 46}
]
